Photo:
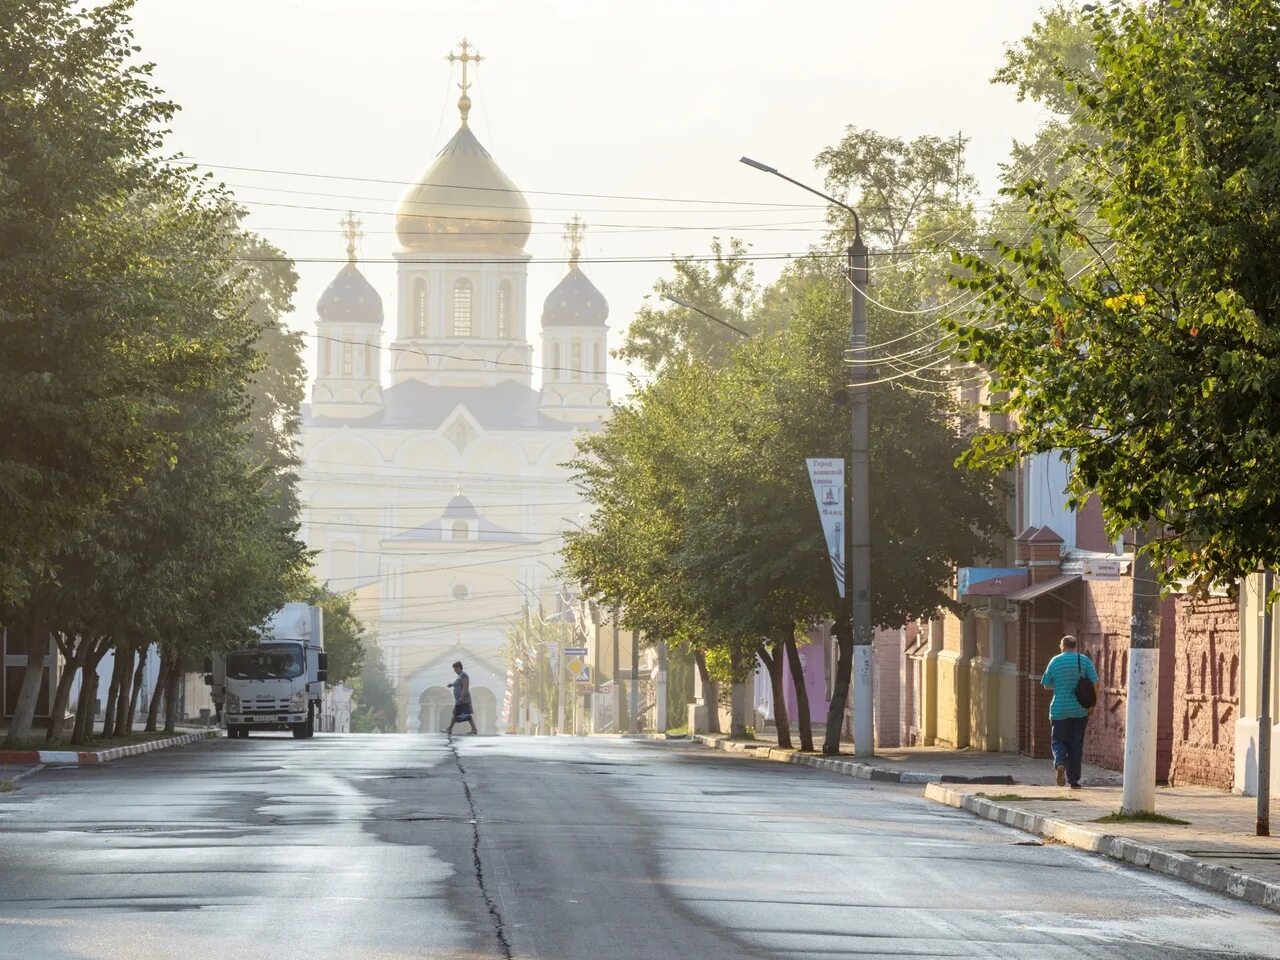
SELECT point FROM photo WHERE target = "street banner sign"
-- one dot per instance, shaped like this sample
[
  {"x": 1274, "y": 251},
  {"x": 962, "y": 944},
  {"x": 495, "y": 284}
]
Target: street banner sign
[
  {"x": 1102, "y": 568},
  {"x": 827, "y": 477},
  {"x": 553, "y": 650}
]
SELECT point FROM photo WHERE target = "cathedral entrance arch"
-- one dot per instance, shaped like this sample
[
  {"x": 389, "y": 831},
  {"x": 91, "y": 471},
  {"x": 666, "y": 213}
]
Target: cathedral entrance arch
[{"x": 435, "y": 709}]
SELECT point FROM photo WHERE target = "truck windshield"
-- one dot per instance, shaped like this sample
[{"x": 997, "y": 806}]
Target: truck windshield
[{"x": 265, "y": 663}]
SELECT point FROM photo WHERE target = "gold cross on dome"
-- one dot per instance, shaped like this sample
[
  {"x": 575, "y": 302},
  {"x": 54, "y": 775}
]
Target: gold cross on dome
[
  {"x": 573, "y": 231},
  {"x": 464, "y": 102},
  {"x": 351, "y": 229}
]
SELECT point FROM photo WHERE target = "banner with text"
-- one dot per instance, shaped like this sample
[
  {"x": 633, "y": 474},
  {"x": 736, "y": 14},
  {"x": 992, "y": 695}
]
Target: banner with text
[{"x": 827, "y": 477}]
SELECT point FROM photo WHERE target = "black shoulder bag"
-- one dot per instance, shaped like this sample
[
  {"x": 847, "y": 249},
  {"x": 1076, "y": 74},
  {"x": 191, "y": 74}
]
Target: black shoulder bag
[{"x": 1086, "y": 693}]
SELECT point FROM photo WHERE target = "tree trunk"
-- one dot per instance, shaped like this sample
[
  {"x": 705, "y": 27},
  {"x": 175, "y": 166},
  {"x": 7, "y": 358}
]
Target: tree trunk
[
  {"x": 773, "y": 661},
  {"x": 171, "y": 698},
  {"x": 162, "y": 682},
  {"x": 24, "y": 709},
  {"x": 120, "y": 667},
  {"x": 73, "y": 651},
  {"x": 125, "y": 696},
  {"x": 113, "y": 693},
  {"x": 840, "y": 690},
  {"x": 89, "y": 689},
  {"x": 802, "y": 693},
  {"x": 136, "y": 692},
  {"x": 709, "y": 692}
]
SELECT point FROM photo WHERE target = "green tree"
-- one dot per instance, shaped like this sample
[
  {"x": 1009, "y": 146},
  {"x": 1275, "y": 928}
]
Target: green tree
[
  {"x": 79, "y": 126},
  {"x": 345, "y": 639},
  {"x": 375, "y": 695},
  {"x": 1155, "y": 365},
  {"x": 724, "y": 286}
]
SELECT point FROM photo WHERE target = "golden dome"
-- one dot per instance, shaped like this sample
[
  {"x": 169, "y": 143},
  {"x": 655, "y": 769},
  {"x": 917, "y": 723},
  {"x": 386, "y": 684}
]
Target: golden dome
[{"x": 464, "y": 203}]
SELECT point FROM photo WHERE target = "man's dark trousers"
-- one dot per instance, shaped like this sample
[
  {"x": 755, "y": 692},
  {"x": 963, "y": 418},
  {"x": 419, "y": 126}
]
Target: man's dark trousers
[{"x": 1067, "y": 738}]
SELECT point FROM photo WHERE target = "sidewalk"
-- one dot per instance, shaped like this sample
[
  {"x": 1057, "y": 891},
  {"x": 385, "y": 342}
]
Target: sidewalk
[
  {"x": 27, "y": 758},
  {"x": 1216, "y": 848}
]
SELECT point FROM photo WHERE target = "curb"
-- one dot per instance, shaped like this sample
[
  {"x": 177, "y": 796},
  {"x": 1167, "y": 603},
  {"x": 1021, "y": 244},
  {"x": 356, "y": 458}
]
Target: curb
[
  {"x": 1220, "y": 879},
  {"x": 79, "y": 757},
  {"x": 848, "y": 768}
]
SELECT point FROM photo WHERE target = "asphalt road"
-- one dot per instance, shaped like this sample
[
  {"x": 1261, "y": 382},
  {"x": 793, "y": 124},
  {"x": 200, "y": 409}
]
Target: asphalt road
[{"x": 405, "y": 847}]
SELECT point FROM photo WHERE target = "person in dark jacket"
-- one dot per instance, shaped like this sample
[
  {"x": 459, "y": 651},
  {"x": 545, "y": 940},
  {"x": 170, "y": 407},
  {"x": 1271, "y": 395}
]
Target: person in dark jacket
[{"x": 461, "y": 700}]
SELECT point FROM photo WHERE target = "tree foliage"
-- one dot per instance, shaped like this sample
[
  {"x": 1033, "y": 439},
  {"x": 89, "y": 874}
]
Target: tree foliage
[
  {"x": 1156, "y": 363},
  {"x": 149, "y": 389}
]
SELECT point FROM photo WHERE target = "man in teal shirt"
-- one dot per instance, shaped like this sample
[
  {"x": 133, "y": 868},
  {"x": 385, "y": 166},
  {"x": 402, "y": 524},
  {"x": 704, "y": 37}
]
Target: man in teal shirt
[{"x": 1067, "y": 718}]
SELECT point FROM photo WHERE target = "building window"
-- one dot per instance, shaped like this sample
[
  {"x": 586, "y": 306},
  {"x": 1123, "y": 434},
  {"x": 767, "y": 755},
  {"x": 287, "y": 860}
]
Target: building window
[
  {"x": 419, "y": 307},
  {"x": 348, "y": 359},
  {"x": 462, "y": 308},
  {"x": 575, "y": 361},
  {"x": 504, "y": 310},
  {"x": 597, "y": 362},
  {"x": 555, "y": 362},
  {"x": 460, "y": 530}
]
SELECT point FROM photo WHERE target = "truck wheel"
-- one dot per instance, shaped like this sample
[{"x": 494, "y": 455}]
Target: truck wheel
[
  {"x": 299, "y": 730},
  {"x": 311, "y": 720},
  {"x": 233, "y": 731}
]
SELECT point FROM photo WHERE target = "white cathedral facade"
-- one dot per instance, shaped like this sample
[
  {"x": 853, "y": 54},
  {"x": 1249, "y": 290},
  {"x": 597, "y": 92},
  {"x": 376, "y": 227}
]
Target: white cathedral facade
[{"x": 439, "y": 499}]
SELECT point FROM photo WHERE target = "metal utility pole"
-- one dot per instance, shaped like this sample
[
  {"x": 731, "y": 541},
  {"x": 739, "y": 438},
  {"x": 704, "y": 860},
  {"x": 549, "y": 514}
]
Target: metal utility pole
[
  {"x": 617, "y": 676},
  {"x": 1143, "y": 693},
  {"x": 1264, "y": 712},
  {"x": 858, "y": 574},
  {"x": 634, "y": 721},
  {"x": 559, "y": 668}
]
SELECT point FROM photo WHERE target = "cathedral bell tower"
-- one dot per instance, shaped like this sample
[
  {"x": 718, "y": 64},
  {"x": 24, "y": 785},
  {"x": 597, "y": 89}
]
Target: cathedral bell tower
[
  {"x": 348, "y": 341},
  {"x": 575, "y": 343},
  {"x": 461, "y": 266}
]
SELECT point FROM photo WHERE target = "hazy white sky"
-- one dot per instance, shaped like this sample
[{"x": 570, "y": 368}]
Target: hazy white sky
[{"x": 651, "y": 98}]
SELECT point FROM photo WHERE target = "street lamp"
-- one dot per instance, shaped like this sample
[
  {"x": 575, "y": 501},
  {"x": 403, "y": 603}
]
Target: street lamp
[
  {"x": 710, "y": 316},
  {"x": 858, "y": 570}
]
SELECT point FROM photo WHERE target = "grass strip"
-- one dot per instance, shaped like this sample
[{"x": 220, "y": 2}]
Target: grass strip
[{"x": 1121, "y": 817}]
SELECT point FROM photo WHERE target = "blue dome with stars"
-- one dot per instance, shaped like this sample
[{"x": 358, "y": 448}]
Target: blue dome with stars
[
  {"x": 350, "y": 298},
  {"x": 575, "y": 302}
]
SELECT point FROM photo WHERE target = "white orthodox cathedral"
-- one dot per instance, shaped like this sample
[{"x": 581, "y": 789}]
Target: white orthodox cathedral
[{"x": 439, "y": 499}]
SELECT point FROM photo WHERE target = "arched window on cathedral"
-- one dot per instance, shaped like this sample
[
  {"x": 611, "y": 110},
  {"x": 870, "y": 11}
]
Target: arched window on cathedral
[
  {"x": 597, "y": 364},
  {"x": 556, "y": 370},
  {"x": 504, "y": 310},
  {"x": 348, "y": 359},
  {"x": 460, "y": 530},
  {"x": 419, "y": 307},
  {"x": 575, "y": 361},
  {"x": 462, "y": 308}
]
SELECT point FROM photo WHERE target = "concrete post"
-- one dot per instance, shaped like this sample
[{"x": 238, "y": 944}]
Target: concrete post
[{"x": 1143, "y": 695}]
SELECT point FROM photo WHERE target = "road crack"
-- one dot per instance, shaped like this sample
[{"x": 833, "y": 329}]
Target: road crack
[{"x": 499, "y": 925}]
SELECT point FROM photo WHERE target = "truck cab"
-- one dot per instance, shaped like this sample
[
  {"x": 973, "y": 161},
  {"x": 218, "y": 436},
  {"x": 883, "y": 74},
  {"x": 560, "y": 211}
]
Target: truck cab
[{"x": 277, "y": 684}]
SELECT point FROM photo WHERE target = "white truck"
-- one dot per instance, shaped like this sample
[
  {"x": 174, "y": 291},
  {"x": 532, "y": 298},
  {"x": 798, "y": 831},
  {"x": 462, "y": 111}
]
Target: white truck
[{"x": 277, "y": 684}]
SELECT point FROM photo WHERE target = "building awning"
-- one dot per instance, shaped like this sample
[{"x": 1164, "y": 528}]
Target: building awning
[{"x": 1040, "y": 589}]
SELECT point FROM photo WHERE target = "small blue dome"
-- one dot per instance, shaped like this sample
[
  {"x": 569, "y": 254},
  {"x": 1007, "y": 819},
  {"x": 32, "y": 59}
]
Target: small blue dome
[
  {"x": 575, "y": 302},
  {"x": 460, "y": 507},
  {"x": 350, "y": 298}
]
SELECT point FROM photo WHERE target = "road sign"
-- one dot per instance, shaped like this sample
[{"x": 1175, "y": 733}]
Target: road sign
[
  {"x": 583, "y": 677},
  {"x": 575, "y": 661}
]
